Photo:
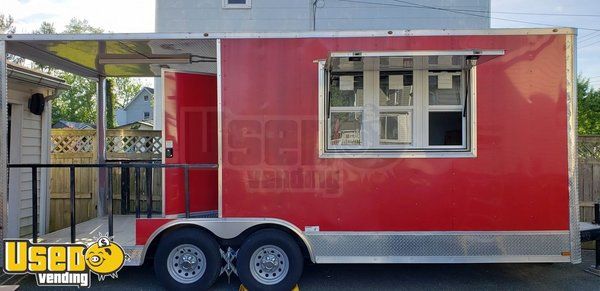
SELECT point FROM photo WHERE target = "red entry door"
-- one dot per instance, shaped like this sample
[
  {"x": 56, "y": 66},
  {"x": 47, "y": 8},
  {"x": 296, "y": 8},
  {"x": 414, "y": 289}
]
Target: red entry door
[{"x": 190, "y": 124}]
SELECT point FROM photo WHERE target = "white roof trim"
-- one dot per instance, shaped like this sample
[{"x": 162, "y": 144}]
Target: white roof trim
[{"x": 304, "y": 34}]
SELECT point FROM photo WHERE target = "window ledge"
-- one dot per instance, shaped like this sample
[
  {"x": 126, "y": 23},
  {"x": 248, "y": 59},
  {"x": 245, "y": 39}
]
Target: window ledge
[{"x": 399, "y": 155}]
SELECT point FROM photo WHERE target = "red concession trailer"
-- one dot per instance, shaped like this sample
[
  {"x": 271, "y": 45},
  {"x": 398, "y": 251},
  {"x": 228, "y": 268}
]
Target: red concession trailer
[
  {"x": 422, "y": 148},
  {"x": 363, "y": 147}
]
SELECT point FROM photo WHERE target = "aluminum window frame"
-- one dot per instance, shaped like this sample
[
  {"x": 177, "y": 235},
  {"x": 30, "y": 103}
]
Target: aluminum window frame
[
  {"x": 467, "y": 150},
  {"x": 428, "y": 108}
]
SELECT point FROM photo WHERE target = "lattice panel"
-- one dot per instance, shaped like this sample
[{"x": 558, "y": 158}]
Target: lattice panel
[
  {"x": 134, "y": 144},
  {"x": 589, "y": 148},
  {"x": 63, "y": 144}
]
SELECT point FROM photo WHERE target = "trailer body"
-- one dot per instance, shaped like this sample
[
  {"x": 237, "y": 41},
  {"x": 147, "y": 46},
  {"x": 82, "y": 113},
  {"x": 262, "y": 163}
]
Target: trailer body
[
  {"x": 452, "y": 146},
  {"x": 506, "y": 200}
]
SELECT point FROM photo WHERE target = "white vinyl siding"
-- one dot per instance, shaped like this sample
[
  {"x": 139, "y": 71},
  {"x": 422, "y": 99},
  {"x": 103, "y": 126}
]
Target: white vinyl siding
[
  {"x": 31, "y": 144},
  {"x": 29, "y": 151}
]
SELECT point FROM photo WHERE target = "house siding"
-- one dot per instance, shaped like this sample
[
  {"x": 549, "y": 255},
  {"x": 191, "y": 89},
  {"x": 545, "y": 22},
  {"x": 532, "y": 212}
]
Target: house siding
[
  {"x": 30, "y": 152},
  {"x": 297, "y": 15},
  {"x": 134, "y": 111}
]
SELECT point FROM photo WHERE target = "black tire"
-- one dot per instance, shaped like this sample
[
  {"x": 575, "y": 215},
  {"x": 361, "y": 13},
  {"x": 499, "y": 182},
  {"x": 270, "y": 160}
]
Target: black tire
[
  {"x": 272, "y": 237},
  {"x": 198, "y": 238}
]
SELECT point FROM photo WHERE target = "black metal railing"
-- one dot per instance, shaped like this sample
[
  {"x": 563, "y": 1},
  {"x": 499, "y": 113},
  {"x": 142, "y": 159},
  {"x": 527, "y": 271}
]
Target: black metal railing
[
  {"x": 125, "y": 187},
  {"x": 137, "y": 166}
]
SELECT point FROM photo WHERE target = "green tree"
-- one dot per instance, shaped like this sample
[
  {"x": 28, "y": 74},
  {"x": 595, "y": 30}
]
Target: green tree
[
  {"x": 78, "y": 103},
  {"x": 46, "y": 28},
  {"x": 76, "y": 25},
  {"x": 588, "y": 107},
  {"x": 110, "y": 104},
  {"x": 7, "y": 24},
  {"x": 125, "y": 90}
]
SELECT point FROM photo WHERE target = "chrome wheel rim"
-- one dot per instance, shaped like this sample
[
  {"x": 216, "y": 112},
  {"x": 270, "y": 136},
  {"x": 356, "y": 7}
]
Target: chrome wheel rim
[
  {"x": 186, "y": 263},
  {"x": 269, "y": 265}
]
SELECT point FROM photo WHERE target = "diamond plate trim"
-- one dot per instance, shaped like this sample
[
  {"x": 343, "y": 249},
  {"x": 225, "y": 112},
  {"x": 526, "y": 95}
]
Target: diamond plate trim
[
  {"x": 441, "y": 247},
  {"x": 575, "y": 240},
  {"x": 135, "y": 255}
]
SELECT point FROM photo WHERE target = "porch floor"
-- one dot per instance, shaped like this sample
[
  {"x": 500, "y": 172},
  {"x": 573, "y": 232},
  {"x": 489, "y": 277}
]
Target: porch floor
[{"x": 88, "y": 231}]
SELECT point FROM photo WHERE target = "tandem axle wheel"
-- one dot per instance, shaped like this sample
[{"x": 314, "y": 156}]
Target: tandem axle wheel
[{"x": 268, "y": 259}]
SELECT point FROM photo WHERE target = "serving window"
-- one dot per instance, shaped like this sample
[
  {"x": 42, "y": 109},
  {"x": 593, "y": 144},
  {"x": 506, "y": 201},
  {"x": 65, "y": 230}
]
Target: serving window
[{"x": 397, "y": 106}]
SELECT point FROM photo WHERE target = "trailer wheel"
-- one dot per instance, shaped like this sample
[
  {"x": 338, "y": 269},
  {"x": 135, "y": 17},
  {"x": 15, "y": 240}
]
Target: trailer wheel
[
  {"x": 187, "y": 259},
  {"x": 269, "y": 260}
]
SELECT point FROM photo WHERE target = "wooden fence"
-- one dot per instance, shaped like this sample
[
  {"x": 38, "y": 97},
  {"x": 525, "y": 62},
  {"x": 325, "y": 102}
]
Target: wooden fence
[
  {"x": 589, "y": 175},
  {"x": 79, "y": 147}
]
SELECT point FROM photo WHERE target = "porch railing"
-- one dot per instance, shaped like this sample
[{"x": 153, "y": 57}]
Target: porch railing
[{"x": 137, "y": 167}]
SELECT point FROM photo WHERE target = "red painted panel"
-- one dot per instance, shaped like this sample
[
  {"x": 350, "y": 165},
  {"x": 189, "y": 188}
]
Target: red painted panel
[
  {"x": 191, "y": 124},
  {"x": 271, "y": 167},
  {"x": 145, "y": 227}
]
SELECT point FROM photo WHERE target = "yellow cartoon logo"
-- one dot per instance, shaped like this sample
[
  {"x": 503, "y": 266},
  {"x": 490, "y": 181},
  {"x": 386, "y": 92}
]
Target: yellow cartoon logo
[
  {"x": 105, "y": 258},
  {"x": 64, "y": 264}
]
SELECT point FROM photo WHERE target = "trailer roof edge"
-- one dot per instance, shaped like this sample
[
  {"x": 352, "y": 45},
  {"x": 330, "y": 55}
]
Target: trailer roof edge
[{"x": 300, "y": 34}]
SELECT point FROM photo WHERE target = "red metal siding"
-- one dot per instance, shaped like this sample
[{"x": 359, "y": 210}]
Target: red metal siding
[
  {"x": 271, "y": 167},
  {"x": 191, "y": 123}
]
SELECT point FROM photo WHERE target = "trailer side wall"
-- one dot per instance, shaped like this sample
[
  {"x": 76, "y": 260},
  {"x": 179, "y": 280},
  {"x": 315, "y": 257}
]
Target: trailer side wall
[{"x": 517, "y": 182}]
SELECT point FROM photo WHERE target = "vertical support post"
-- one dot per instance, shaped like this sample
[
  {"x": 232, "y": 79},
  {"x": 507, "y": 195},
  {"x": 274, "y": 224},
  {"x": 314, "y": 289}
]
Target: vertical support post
[
  {"x": 34, "y": 203},
  {"x": 3, "y": 147},
  {"x": 72, "y": 199},
  {"x": 101, "y": 140},
  {"x": 124, "y": 189},
  {"x": 137, "y": 192},
  {"x": 110, "y": 201},
  {"x": 186, "y": 176},
  {"x": 149, "y": 191}
]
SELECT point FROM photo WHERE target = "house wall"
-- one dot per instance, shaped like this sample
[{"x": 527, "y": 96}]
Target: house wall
[
  {"x": 121, "y": 116},
  {"x": 297, "y": 15},
  {"x": 135, "y": 110},
  {"x": 28, "y": 150}
]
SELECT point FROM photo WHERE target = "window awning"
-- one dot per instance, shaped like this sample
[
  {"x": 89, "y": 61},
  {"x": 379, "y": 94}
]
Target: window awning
[{"x": 406, "y": 60}]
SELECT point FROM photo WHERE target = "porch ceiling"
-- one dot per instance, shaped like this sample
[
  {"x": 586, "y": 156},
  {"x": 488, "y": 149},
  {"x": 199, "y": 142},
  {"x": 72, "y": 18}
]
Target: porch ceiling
[{"x": 113, "y": 55}]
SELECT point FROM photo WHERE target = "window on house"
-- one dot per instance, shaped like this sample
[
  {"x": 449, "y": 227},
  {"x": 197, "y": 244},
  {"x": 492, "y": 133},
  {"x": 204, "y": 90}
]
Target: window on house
[
  {"x": 396, "y": 106},
  {"x": 146, "y": 98},
  {"x": 237, "y": 3},
  {"x": 146, "y": 115}
]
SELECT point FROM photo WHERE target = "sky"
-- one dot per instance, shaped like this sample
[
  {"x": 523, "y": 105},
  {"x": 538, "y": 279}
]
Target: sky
[
  {"x": 117, "y": 16},
  {"x": 588, "y": 44}
]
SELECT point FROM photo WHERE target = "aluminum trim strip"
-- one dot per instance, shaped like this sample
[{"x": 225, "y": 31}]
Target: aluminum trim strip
[
  {"x": 300, "y": 34},
  {"x": 571, "y": 78},
  {"x": 219, "y": 132},
  {"x": 434, "y": 233},
  {"x": 3, "y": 146},
  {"x": 441, "y": 260}
]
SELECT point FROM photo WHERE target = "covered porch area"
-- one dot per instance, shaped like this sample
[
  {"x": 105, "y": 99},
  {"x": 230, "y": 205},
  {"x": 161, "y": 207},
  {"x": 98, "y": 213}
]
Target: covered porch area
[{"x": 98, "y": 57}]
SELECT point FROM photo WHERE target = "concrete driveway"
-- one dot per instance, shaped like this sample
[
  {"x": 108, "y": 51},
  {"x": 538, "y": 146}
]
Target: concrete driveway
[{"x": 391, "y": 277}]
